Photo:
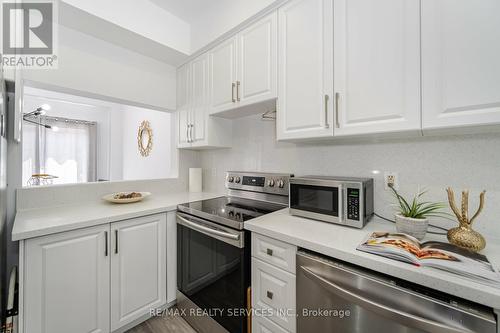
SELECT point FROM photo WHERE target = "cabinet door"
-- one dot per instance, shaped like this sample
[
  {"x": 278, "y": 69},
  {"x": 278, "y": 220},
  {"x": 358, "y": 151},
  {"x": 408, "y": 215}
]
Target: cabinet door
[
  {"x": 138, "y": 268},
  {"x": 183, "y": 87},
  {"x": 223, "y": 76},
  {"x": 460, "y": 63},
  {"x": 66, "y": 282},
  {"x": 273, "y": 291},
  {"x": 305, "y": 69},
  {"x": 183, "y": 105},
  {"x": 184, "y": 119},
  {"x": 257, "y": 62},
  {"x": 377, "y": 66},
  {"x": 199, "y": 98}
]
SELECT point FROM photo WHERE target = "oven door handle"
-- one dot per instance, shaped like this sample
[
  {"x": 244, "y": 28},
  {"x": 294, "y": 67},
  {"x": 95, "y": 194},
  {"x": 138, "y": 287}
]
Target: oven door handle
[
  {"x": 208, "y": 230},
  {"x": 400, "y": 316}
]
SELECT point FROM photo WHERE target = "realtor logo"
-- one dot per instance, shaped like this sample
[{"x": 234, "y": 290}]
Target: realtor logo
[{"x": 29, "y": 34}]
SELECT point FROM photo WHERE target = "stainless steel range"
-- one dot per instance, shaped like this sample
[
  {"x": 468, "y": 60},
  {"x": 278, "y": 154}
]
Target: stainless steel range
[{"x": 213, "y": 250}]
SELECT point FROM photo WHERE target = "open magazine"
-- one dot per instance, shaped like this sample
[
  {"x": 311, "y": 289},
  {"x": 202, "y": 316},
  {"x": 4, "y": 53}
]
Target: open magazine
[{"x": 438, "y": 255}]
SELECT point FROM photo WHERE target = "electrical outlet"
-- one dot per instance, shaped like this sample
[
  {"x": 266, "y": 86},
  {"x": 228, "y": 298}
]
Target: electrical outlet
[{"x": 391, "y": 179}]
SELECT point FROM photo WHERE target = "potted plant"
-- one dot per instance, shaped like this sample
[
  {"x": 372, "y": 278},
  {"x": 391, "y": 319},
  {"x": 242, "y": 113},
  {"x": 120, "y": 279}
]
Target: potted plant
[{"x": 412, "y": 216}]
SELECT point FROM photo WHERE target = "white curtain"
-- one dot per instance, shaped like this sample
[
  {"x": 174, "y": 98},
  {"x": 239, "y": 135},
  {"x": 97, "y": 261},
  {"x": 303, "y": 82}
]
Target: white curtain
[{"x": 69, "y": 152}]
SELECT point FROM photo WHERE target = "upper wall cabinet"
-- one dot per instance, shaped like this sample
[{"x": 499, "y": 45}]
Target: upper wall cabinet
[
  {"x": 460, "y": 63},
  {"x": 377, "y": 66},
  {"x": 222, "y": 60},
  {"x": 196, "y": 129},
  {"x": 304, "y": 107},
  {"x": 243, "y": 68}
]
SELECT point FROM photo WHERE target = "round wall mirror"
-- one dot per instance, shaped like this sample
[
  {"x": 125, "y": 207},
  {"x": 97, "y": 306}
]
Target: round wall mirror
[{"x": 145, "y": 138}]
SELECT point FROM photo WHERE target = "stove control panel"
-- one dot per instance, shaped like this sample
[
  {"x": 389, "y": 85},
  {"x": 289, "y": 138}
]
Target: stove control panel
[{"x": 272, "y": 183}]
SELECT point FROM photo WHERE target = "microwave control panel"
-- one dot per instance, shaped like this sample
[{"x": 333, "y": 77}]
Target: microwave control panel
[{"x": 353, "y": 203}]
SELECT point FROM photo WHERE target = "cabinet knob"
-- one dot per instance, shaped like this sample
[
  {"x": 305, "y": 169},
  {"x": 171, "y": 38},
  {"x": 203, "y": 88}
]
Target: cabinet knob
[
  {"x": 269, "y": 294},
  {"x": 269, "y": 252}
]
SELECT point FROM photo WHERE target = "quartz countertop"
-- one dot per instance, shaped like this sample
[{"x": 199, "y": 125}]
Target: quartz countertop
[
  {"x": 340, "y": 242},
  {"x": 44, "y": 221}
]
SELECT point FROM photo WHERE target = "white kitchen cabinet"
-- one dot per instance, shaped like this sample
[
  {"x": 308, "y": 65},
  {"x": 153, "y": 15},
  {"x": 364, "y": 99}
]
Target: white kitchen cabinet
[
  {"x": 377, "y": 66},
  {"x": 138, "y": 268},
  {"x": 243, "y": 69},
  {"x": 273, "y": 290},
  {"x": 199, "y": 99},
  {"x": 196, "y": 128},
  {"x": 305, "y": 70},
  {"x": 273, "y": 284},
  {"x": 223, "y": 76},
  {"x": 97, "y": 279},
  {"x": 274, "y": 252},
  {"x": 460, "y": 63},
  {"x": 183, "y": 111},
  {"x": 257, "y": 62},
  {"x": 66, "y": 283}
]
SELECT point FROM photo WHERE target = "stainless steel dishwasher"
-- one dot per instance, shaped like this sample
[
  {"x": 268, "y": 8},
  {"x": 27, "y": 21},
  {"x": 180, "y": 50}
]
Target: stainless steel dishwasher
[{"x": 335, "y": 297}]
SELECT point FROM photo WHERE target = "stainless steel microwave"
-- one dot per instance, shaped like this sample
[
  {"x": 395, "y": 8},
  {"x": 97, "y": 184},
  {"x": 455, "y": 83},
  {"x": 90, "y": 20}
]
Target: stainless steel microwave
[{"x": 342, "y": 200}]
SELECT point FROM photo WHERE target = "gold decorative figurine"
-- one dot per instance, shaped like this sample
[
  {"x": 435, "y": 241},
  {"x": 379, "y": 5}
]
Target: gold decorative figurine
[{"x": 463, "y": 235}]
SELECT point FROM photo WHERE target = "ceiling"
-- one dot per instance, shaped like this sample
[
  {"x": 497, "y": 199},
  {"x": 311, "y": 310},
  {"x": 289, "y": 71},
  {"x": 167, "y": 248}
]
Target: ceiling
[{"x": 185, "y": 9}]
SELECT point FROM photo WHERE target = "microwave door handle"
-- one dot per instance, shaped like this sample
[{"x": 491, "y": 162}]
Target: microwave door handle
[
  {"x": 386, "y": 311},
  {"x": 208, "y": 230}
]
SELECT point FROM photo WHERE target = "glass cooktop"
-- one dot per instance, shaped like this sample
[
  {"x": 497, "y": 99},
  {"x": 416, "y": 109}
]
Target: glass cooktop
[{"x": 230, "y": 209}]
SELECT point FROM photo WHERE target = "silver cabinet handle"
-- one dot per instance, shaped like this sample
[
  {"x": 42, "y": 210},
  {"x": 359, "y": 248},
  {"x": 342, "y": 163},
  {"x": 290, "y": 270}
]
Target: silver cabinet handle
[
  {"x": 326, "y": 111},
  {"x": 2, "y": 126},
  {"x": 105, "y": 243},
  {"x": 191, "y": 132},
  {"x": 232, "y": 92},
  {"x": 208, "y": 230},
  {"x": 238, "y": 90},
  {"x": 269, "y": 252},
  {"x": 425, "y": 324},
  {"x": 187, "y": 134},
  {"x": 116, "y": 241},
  {"x": 269, "y": 294},
  {"x": 337, "y": 98}
]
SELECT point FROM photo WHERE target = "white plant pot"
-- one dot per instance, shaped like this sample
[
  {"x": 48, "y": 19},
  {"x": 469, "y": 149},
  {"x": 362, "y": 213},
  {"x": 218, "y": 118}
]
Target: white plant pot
[{"x": 410, "y": 226}]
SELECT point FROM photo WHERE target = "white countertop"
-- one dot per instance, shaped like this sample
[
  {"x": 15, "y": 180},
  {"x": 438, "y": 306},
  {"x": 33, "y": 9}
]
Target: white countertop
[
  {"x": 340, "y": 242},
  {"x": 44, "y": 221}
]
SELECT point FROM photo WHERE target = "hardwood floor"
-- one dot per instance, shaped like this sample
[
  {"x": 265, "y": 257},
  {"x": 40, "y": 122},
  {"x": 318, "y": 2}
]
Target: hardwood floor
[{"x": 165, "y": 324}]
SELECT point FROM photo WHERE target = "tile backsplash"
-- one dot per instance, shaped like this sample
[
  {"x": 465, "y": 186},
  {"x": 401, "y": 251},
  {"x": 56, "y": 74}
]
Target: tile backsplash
[{"x": 434, "y": 163}]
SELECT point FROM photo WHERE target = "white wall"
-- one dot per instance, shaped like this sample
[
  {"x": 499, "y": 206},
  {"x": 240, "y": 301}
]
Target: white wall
[
  {"x": 142, "y": 17},
  {"x": 158, "y": 164},
  {"x": 463, "y": 162},
  {"x": 96, "y": 67},
  {"x": 220, "y": 17}
]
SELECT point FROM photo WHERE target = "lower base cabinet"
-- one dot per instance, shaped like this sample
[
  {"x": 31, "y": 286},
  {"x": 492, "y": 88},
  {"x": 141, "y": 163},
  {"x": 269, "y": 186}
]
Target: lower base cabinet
[
  {"x": 66, "y": 282},
  {"x": 96, "y": 279},
  {"x": 273, "y": 287},
  {"x": 138, "y": 268}
]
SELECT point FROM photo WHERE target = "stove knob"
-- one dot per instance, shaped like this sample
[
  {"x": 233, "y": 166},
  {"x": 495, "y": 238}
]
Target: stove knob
[
  {"x": 237, "y": 180},
  {"x": 230, "y": 179},
  {"x": 270, "y": 183},
  {"x": 281, "y": 183}
]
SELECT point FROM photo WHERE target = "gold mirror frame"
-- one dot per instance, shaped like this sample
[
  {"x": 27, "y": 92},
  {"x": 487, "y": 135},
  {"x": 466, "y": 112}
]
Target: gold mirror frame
[{"x": 145, "y": 131}]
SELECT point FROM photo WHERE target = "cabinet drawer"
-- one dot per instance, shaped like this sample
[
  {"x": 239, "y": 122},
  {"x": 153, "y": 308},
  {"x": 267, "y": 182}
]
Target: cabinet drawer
[
  {"x": 264, "y": 325},
  {"x": 273, "y": 290},
  {"x": 274, "y": 252}
]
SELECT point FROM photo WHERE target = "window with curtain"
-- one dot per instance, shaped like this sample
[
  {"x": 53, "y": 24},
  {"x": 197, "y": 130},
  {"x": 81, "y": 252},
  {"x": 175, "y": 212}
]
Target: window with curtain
[{"x": 67, "y": 150}]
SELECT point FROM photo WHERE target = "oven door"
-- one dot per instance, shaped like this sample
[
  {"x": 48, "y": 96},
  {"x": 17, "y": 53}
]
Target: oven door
[
  {"x": 315, "y": 201},
  {"x": 213, "y": 269}
]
